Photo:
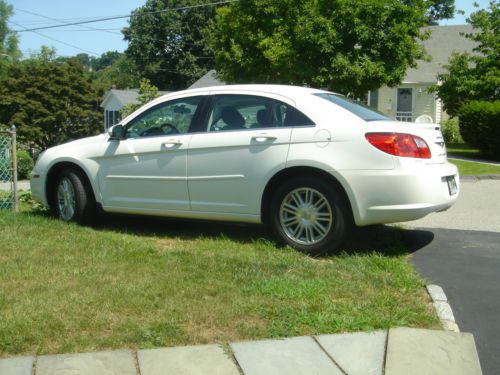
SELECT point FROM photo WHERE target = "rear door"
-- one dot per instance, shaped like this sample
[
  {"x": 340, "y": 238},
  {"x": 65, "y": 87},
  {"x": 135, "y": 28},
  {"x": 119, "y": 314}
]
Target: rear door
[{"x": 242, "y": 145}]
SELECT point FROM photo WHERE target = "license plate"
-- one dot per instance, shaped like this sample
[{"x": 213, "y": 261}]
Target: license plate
[{"x": 452, "y": 185}]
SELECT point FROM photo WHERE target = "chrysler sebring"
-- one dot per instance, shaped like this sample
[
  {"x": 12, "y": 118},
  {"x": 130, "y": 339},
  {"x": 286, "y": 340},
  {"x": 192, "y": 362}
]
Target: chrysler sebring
[{"x": 309, "y": 163}]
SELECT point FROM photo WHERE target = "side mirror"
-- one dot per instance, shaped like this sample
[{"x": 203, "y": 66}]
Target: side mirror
[{"x": 116, "y": 132}]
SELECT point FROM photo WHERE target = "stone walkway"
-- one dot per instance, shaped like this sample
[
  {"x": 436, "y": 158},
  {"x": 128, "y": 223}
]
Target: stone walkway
[{"x": 397, "y": 351}]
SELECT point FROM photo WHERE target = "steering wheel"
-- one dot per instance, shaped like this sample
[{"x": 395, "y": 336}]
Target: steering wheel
[{"x": 173, "y": 129}]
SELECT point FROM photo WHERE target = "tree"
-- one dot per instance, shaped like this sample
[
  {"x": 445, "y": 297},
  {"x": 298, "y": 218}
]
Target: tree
[
  {"x": 147, "y": 92},
  {"x": 169, "y": 46},
  {"x": 349, "y": 46},
  {"x": 105, "y": 60},
  {"x": 440, "y": 10},
  {"x": 50, "y": 102},
  {"x": 121, "y": 73},
  {"x": 474, "y": 76},
  {"x": 9, "y": 50}
]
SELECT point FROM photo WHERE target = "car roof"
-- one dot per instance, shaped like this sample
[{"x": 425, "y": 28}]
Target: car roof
[{"x": 284, "y": 90}]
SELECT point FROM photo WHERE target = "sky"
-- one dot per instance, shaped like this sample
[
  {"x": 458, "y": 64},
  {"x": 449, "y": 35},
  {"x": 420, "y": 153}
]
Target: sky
[{"x": 71, "y": 40}]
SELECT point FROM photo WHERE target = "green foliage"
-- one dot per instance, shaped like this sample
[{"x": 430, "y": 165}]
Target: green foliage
[
  {"x": 477, "y": 76},
  {"x": 451, "y": 131},
  {"x": 50, "y": 102},
  {"x": 24, "y": 165},
  {"x": 25, "y": 197},
  {"x": 170, "y": 48},
  {"x": 440, "y": 9},
  {"x": 348, "y": 46},
  {"x": 121, "y": 73},
  {"x": 9, "y": 50},
  {"x": 147, "y": 92},
  {"x": 480, "y": 125}
]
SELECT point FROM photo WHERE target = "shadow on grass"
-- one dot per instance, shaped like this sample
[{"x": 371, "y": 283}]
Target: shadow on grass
[{"x": 383, "y": 239}]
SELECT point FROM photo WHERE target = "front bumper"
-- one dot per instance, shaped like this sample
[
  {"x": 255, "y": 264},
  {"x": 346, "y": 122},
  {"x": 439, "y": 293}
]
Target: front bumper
[{"x": 38, "y": 185}]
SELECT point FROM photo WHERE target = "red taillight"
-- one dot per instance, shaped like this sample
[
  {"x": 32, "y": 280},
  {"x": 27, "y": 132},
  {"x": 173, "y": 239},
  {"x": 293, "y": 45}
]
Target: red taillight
[{"x": 400, "y": 144}]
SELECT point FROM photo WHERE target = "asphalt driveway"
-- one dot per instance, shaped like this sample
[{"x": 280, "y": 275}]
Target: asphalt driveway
[{"x": 464, "y": 258}]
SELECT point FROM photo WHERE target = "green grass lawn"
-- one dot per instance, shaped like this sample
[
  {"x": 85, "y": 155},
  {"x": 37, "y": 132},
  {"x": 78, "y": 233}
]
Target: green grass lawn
[
  {"x": 141, "y": 283},
  {"x": 469, "y": 168}
]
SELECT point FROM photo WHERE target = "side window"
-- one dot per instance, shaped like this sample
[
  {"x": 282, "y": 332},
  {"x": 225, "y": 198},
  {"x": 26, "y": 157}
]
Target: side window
[
  {"x": 291, "y": 116},
  {"x": 172, "y": 117},
  {"x": 239, "y": 112}
]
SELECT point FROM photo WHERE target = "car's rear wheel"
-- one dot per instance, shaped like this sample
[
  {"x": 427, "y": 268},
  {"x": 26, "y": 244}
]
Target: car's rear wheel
[
  {"x": 309, "y": 215},
  {"x": 73, "y": 200}
]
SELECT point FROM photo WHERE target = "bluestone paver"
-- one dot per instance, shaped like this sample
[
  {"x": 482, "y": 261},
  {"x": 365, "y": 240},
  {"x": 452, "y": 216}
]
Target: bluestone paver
[
  {"x": 292, "y": 356},
  {"x": 413, "y": 351},
  {"x": 357, "y": 353},
  {"x": 186, "y": 360},
  {"x": 119, "y": 362},
  {"x": 16, "y": 366}
]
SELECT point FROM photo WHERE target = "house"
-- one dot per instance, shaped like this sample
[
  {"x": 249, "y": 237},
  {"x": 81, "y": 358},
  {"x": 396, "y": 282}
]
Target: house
[
  {"x": 409, "y": 101},
  {"x": 113, "y": 102}
]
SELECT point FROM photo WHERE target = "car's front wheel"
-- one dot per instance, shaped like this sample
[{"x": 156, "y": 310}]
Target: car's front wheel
[
  {"x": 309, "y": 215},
  {"x": 73, "y": 200}
]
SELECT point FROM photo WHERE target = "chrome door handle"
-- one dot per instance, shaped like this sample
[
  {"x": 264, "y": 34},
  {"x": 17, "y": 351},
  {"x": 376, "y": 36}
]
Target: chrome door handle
[
  {"x": 264, "y": 137},
  {"x": 172, "y": 143}
]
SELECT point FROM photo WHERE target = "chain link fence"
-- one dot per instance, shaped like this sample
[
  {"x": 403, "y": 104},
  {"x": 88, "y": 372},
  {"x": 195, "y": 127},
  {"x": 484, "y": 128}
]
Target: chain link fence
[{"x": 8, "y": 170}]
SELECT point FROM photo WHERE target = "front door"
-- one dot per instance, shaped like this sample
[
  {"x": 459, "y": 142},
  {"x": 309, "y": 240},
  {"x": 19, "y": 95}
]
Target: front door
[
  {"x": 146, "y": 172},
  {"x": 405, "y": 105}
]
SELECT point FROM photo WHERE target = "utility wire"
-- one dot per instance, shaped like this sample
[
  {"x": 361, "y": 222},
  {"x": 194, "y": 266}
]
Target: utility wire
[
  {"x": 125, "y": 16},
  {"x": 60, "y": 41},
  {"x": 89, "y": 28}
]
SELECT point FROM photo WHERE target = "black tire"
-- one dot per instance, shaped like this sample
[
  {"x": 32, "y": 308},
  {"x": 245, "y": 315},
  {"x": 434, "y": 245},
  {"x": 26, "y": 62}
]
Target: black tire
[
  {"x": 326, "y": 220},
  {"x": 83, "y": 202}
]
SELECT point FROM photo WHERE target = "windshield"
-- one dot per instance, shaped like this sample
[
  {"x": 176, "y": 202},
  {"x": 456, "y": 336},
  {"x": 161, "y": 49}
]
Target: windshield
[{"x": 357, "y": 108}]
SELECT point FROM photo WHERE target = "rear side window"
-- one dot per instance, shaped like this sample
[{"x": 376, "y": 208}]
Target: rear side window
[
  {"x": 356, "y": 108},
  {"x": 240, "y": 112}
]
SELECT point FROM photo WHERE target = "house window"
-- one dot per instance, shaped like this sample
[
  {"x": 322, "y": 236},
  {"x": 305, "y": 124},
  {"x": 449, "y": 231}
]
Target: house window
[
  {"x": 111, "y": 118},
  {"x": 373, "y": 99}
]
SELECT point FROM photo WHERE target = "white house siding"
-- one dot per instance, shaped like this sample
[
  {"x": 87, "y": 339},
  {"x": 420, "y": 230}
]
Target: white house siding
[
  {"x": 386, "y": 104},
  {"x": 423, "y": 101}
]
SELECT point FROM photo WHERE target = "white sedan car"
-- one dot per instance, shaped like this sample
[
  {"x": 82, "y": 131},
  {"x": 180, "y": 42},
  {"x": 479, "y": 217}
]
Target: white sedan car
[{"x": 309, "y": 163}]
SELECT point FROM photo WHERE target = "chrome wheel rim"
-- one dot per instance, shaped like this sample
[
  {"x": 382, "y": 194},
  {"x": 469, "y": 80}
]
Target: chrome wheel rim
[
  {"x": 305, "y": 216},
  {"x": 66, "y": 199}
]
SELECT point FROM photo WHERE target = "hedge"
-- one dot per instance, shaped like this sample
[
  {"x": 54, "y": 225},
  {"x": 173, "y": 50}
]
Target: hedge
[
  {"x": 24, "y": 165},
  {"x": 480, "y": 125}
]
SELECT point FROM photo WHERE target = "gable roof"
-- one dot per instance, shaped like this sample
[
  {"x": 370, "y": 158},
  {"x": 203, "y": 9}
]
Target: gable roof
[
  {"x": 443, "y": 42},
  {"x": 122, "y": 97},
  {"x": 209, "y": 79}
]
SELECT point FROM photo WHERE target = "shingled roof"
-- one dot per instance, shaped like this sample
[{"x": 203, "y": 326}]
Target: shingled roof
[{"x": 443, "y": 42}]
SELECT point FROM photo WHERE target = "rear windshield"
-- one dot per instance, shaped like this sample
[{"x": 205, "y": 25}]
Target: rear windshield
[{"x": 357, "y": 108}]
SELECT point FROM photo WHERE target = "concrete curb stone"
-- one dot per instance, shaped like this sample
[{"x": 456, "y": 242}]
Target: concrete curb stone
[
  {"x": 16, "y": 366},
  {"x": 412, "y": 351},
  {"x": 186, "y": 360},
  {"x": 443, "y": 308},
  {"x": 117, "y": 362},
  {"x": 360, "y": 353}
]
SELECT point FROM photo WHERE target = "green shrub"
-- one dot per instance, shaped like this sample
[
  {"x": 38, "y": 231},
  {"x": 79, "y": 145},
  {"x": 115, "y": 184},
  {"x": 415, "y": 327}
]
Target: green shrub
[
  {"x": 451, "y": 131},
  {"x": 480, "y": 125},
  {"x": 24, "y": 165}
]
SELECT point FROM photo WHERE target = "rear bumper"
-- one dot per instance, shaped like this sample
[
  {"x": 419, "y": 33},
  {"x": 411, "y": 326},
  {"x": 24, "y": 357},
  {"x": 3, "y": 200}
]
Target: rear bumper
[{"x": 403, "y": 194}]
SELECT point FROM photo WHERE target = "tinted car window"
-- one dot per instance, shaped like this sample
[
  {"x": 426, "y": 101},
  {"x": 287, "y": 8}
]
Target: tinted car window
[
  {"x": 239, "y": 112},
  {"x": 172, "y": 117},
  {"x": 366, "y": 113}
]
